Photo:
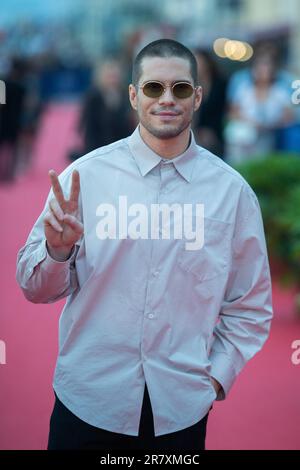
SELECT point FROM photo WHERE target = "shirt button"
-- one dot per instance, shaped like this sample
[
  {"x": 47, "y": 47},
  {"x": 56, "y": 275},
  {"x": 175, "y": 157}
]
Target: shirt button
[
  {"x": 150, "y": 315},
  {"x": 155, "y": 273}
]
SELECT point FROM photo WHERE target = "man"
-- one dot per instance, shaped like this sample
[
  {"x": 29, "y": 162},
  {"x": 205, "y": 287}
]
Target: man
[
  {"x": 11, "y": 118},
  {"x": 105, "y": 113},
  {"x": 151, "y": 296}
]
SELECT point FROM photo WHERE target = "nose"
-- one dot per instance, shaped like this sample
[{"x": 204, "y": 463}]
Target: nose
[{"x": 167, "y": 98}]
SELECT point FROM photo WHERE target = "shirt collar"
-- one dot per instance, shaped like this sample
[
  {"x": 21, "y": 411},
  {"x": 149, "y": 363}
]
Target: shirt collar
[{"x": 146, "y": 159}]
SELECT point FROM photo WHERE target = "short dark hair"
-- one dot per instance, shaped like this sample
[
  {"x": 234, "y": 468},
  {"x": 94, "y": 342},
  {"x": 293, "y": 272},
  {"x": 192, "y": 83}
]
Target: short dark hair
[{"x": 164, "y": 48}]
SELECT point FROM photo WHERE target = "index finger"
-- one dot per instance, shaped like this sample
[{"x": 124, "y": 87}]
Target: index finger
[
  {"x": 57, "y": 190},
  {"x": 75, "y": 188}
]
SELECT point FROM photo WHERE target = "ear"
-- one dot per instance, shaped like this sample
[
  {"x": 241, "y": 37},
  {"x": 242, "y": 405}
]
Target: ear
[
  {"x": 133, "y": 96},
  {"x": 198, "y": 98}
]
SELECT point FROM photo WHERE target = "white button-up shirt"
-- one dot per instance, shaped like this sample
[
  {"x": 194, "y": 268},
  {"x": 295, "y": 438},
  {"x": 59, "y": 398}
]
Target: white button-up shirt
[{"x": 140, "y": 305}]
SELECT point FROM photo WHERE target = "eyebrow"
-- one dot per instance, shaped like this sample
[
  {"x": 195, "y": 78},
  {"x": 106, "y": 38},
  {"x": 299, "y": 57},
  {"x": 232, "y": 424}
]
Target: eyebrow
[{"x": 172, "y": 83}]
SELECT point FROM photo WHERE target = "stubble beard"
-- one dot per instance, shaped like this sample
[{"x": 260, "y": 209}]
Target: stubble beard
[{"x": 166, "y": 131}]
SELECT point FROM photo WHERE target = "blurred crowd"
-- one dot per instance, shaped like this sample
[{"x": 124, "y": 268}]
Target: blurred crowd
[
  {"x": 245, "y": 114},
  {"x": 261, "y": 117}
]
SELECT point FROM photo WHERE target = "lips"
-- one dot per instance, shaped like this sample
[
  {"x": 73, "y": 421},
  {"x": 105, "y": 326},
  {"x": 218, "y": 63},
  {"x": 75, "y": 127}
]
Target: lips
[{"x": 166, "y": 113}]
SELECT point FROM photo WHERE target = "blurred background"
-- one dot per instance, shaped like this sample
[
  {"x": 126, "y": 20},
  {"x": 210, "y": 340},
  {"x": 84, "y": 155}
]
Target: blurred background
[{"x": 64, "y": 74}]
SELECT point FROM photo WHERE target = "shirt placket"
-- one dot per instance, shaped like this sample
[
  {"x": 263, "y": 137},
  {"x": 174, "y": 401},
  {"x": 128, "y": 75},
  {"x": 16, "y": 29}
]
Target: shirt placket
[{"x": 167, "y": 173}]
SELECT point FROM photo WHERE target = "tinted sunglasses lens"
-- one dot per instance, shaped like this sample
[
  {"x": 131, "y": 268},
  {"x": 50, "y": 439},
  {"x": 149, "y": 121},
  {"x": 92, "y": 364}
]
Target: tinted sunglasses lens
[
  {"x": 182, "y": 90},
  {"x": 153, "y": 89}
]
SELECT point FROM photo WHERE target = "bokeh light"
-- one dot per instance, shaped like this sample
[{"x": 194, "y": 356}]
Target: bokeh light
[{"x": 232, "y": 49}]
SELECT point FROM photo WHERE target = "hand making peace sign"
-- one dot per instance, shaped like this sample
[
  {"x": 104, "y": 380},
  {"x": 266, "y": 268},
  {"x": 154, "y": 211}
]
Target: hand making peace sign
[{"x": 61, "y": 223}]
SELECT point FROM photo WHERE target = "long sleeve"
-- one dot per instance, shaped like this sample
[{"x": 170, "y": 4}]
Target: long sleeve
[
  {"x": 246, "y": 313},
  {"x": 41, "y": 278}
]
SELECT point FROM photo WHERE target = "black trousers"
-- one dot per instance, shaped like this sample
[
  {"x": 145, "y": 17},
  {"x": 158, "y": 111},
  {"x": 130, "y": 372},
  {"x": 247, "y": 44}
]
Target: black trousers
[{"x": 68, "y": 432}]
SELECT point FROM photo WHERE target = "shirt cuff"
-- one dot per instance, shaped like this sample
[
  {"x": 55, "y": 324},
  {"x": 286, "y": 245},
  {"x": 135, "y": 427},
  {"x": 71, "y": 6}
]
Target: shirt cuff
[
  {"x": 51, "y": 265},
  {"x": 223, "y": 371}
]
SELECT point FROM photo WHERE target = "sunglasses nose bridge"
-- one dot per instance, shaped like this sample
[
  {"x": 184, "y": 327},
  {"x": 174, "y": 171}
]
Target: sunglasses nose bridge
[{"x": 167, "y": 93}]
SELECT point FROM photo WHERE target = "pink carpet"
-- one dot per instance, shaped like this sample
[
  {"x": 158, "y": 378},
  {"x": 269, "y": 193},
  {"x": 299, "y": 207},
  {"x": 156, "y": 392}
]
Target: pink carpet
[{"x": 263, "y": 408}]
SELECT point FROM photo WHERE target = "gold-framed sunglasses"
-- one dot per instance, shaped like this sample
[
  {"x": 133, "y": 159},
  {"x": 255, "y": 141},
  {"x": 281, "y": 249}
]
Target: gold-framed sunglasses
[{"x": 155, "y": 89}]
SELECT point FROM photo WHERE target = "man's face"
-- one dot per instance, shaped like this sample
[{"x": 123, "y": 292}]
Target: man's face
[{"x": 165, "y": 117}]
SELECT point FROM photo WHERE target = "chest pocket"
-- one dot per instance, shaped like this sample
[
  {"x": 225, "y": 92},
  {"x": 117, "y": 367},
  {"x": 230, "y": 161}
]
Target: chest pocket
[{"x": 212, "y": 259}]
